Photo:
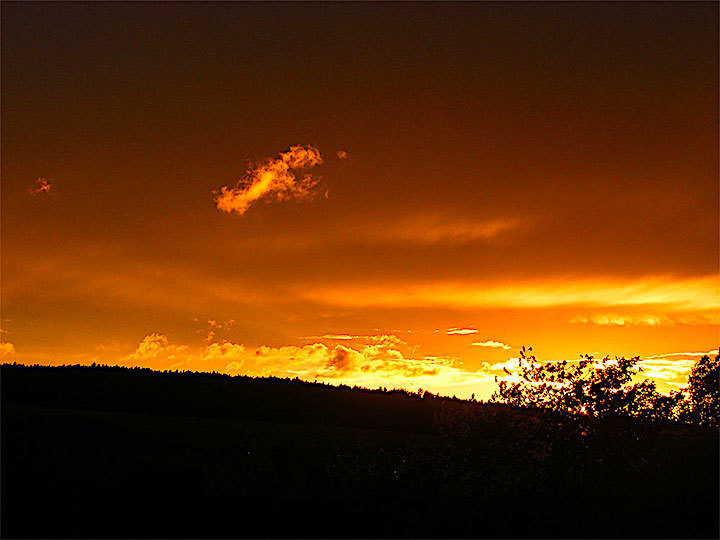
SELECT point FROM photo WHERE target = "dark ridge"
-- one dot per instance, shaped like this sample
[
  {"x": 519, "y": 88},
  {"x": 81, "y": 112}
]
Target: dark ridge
[{"x": 131, "y": 453}]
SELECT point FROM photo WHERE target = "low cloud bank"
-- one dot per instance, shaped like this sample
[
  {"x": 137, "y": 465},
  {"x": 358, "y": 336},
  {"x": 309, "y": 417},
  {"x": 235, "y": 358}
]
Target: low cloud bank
[{"x": 384, "y": 360}]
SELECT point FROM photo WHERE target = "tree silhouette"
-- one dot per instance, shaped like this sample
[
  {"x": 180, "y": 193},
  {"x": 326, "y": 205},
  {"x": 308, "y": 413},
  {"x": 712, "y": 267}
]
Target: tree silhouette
[
  {"x": 704, "y": 392},
  {"x": 588, "y": 387}
]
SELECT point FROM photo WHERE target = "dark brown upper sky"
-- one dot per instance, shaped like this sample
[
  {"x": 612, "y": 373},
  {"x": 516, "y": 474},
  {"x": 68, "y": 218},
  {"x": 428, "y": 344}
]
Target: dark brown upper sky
[{"x": 488, "y": 145}]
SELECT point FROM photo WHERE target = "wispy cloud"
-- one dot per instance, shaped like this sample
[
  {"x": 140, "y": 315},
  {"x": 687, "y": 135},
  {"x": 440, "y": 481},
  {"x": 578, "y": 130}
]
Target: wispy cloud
[
  {"x": 282, "y": 178},
  {"x": 460, "y": 331},
  {"x": 111, "y": 345},
  {"x": 411, "y": 230},
  {"x": 491, "y": 344},
  {"x": 681, "y": 354},
  {"x": 672, "y": 294},
  {"x": 383, "y": 339},
  {"x": 339, "y": 336},
  {"x": 620, "y": 320},
  {"x": 43, "y": 186},
  {"x": 438, "y": 228},
  {"x": 614, "y": 319}
]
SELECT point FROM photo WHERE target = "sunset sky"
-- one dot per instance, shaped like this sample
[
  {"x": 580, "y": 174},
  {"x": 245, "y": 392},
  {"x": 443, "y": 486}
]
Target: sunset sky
[{"x": 379, "y": 194}]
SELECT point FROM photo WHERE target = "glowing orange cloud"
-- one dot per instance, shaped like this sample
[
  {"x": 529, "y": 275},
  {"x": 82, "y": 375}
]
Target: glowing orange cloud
[
  {"x": 154, "y": 352},
  {"x": 461, "y": 331},
  {"x": 491, "y": 344},
  {"x": 6, "y": 349},
  {"x": 431, "y": 229},
  {"x": 673, "y": 294},
  {"x": 281, "y": 177},
  {"x": 43, "y": 186},
  {"x": 378, "y": 363},
  {"x": 680, "y": 354},
  {"x": 614, "y": 319}
]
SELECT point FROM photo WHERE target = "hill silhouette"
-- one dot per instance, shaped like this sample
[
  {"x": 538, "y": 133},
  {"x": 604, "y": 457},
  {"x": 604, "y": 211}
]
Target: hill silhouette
[{"x": 127, "y": 453}]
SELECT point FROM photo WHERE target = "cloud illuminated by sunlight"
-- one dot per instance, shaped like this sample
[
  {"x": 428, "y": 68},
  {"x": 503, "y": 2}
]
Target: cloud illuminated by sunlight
[
  {"x": 491, "y": 344},
  {"x": 669, "y": 370},
  {"x": 154, "y": 352},
  {"x": 680, "y": 354},
  {"x": 6, "y": 349},
  {"x": 434, "y": 228},
  {"x": 371, "y": 366},
  {"x": 43, "y": 186},
  {"x": 668, "y": 293},
  {"x": 460, "y": 331},
  {"x": 380, "y": 362},
  {"x": 614, "y": 319},
  {"x": 282, "y": 177}
]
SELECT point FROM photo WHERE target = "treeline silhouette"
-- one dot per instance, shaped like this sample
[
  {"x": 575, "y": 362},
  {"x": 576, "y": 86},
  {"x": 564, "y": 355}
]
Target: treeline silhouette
[
  {"x": 598, "y": 388},
  {"x": 129, "y": 452}
]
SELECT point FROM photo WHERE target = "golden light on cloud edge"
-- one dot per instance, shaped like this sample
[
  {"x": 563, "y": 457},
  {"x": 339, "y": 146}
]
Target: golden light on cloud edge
[
  {"x": 614, "y": 319},
  {"x": 663, "y": 292},
  {"x": 43, "y": 186},
  {"x": 492, "y": 344},
  {"x": 282, "y": 178},
  {"x": 383, "y": 360},
  {"x": 460, "y": 331},
  {"x": 7, "y": 349},
  {"x": 379, "y": 362}
]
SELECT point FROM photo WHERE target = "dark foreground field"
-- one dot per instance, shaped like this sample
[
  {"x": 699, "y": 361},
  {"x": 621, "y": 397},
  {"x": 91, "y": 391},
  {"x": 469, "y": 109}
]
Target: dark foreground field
[{"x": 105, "y": 452}]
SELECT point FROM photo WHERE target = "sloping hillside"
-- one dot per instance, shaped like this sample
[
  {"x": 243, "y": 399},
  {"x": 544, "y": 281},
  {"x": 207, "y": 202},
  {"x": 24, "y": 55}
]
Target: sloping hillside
[{"x": 110, "y": 452}]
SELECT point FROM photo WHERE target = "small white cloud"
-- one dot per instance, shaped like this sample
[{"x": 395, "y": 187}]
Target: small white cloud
[
  {"x": 674, "y": 354},
  {"x": 492, "y": 344},
  {"x": 460, "y": 331}
]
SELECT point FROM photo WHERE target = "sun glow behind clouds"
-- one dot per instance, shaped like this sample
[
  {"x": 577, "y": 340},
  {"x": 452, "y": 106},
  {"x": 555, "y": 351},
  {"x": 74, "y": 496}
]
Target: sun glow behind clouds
[
  {"x": 672, "y": 294},
  {"x": 615, "y": 319},
  {"x": 384, "y": 360}
]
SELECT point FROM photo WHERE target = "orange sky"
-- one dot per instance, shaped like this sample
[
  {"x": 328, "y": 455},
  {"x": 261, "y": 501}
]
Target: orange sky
[{"x": 377, "y": 194}]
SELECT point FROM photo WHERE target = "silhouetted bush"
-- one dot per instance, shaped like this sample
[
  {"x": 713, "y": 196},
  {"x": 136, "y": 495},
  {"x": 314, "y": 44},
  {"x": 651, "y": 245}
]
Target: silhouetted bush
[
  {"x": 602, "y": 388},
  {"x": 703, "y": 406}
]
